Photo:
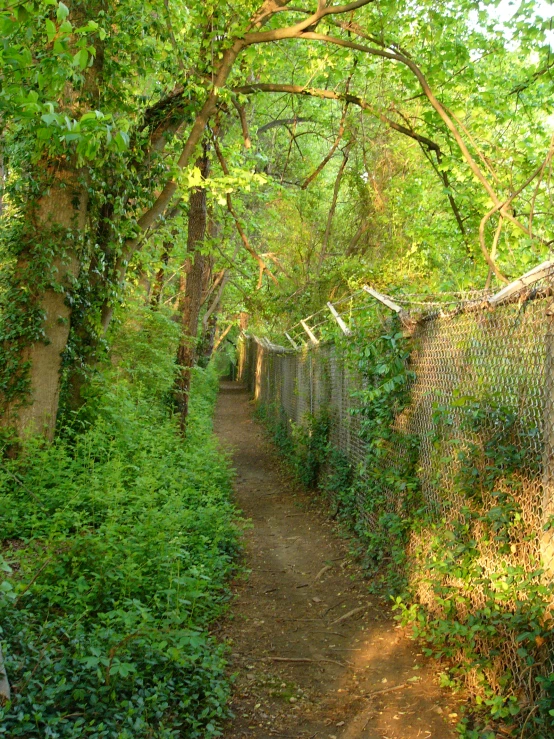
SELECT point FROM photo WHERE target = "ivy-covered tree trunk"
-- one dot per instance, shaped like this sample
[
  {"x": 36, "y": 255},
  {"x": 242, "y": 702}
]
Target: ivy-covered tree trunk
[
  {"x": 86, "y": 338},
  {"x": 35, "y": 325},
  {"x": 191, "y": 298},
  {"x": 207, "y": 342}
]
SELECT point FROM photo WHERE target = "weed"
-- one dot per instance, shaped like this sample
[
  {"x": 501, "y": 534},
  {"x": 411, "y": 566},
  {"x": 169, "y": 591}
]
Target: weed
[{"x": 117, "y": 543}]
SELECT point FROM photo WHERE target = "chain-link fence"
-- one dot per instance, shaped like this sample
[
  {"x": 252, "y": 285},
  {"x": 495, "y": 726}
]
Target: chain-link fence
[{"x": 482, "y": 410}]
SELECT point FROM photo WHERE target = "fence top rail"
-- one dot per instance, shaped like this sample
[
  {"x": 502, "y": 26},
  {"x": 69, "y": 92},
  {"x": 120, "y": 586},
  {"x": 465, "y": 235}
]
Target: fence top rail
[
  {"x": 529, "y": 278},
  {"x": 267, "y": 344},
  {"x": 429, "y": 307}
]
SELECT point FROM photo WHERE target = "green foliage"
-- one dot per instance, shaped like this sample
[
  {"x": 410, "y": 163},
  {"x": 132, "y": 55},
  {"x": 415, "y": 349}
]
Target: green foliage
[
  {"x": 386, "y": 489},
  {"x": 337, "y": 482},
  {"x": 117, "y": 543},
  {"x": 304, "y": 446},
  {"x": 477, "y": 613},
  {"x": 98, "y": 98},
  {"x": 145, "y": 354}
]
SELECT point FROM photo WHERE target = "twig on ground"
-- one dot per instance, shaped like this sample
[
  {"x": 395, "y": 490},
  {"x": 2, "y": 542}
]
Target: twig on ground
[
  {"x": 322, "y": 571},
  {"x": 306, "y": 659},
  {"x": 334, "y": 633},
  {"x": 336, "y": 605},
  {"x": 361, "y": 720},
  {"x": 387, "y": 690},
  {"x": 277, "y": 572},
  {"x": 347, "y": 615}
]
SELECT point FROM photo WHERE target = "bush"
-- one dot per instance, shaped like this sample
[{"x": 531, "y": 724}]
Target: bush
[{"x": 117, "y": 543}]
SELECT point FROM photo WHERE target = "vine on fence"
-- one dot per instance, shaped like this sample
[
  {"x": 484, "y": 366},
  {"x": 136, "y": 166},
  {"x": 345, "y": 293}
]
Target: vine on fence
[
  {"x": 463, "y": 573},
  {"x": 304, "y": 446},
  {"x": 386, "y": 482},
  {"x": 470, "y": 607}
]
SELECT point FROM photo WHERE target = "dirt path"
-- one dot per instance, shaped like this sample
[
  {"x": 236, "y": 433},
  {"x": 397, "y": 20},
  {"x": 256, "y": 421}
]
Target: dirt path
[{"x": 315, "y": 654}]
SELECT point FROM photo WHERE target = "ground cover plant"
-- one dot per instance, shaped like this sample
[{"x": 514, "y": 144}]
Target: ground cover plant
[{"x": 116, "y": 544}]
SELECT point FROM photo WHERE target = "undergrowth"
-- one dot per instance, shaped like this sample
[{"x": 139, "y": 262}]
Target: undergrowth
[
  {"x": 303, "y": 446},
  {"x": 463, "y": 569},
  {"x": 486, "y": 611},
  {"x": 377, "y": 490},
  {"x": 117, "y": 543}
]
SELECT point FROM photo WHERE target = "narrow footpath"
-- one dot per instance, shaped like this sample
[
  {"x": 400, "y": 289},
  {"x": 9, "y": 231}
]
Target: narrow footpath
[{"x": 314, "y": 654}]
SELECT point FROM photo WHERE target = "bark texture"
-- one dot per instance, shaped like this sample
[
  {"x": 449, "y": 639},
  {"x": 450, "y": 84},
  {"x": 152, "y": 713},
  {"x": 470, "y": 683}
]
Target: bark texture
[
  {"x": 47, "y": 264},
  {"x": 191, "y": 298}
]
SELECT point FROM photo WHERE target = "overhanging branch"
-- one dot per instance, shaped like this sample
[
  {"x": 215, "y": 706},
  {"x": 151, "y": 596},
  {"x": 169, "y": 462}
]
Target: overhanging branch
[{"x": 342, "y": 96}]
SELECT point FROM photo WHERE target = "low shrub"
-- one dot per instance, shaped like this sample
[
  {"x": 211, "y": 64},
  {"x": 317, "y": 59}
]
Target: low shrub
[{"x": 117, "y": 543}]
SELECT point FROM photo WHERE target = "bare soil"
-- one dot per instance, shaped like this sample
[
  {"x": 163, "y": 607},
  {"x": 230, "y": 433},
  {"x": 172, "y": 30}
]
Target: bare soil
[{"x": 314, "y": 653}]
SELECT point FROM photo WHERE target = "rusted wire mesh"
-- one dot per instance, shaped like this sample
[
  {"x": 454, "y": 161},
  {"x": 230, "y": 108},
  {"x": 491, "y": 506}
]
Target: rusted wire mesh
[{"x": 483, "y": 383}]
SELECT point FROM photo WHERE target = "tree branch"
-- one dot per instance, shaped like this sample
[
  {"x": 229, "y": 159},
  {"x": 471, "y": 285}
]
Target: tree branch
[
  {"x": 312, "y": 20},
  {"x": 222, "y": 336},
  {"x": 243, "y": 123},
  {"x": 282, "y": 122},
  {"x": 345, "y": 97},
  {"x": 261, "y": 264},
  {"x": 534, "y": 77},
  {"x": 336, "y": 189},
  {"x": 330, "y": 153},
  {"x": 362, "y": 228},
  {"x": 502, "y": 209}
]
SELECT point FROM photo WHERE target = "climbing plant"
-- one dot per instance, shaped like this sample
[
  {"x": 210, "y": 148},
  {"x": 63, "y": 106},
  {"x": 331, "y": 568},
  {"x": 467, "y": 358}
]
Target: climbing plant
[{"x": 478, "y": 609}]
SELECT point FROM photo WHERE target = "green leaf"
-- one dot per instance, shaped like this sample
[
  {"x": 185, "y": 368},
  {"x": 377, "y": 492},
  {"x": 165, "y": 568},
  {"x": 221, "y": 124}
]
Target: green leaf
[
  {"x": 62, "y": 12},
  {"x": 50, "y": 29},
  {"x": 81, "y": 59},
  {"x": 121, "y": 141}
]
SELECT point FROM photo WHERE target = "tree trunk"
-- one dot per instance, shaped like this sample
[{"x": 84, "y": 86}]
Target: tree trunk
[
  {"x": 85, "y": 337},
  {"x": 191, "y": 300},
  {"x": 157, "y": 288},
  {"x": 47, "y": 251},
  {"x": 208, "y": 340},
  {"x": 36, "y": 321}
]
